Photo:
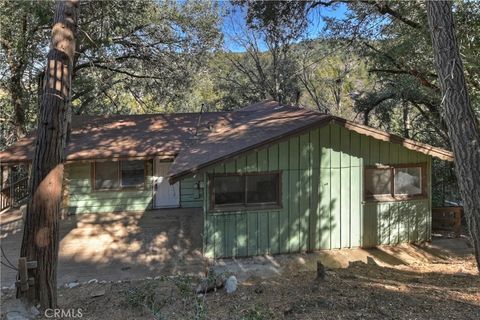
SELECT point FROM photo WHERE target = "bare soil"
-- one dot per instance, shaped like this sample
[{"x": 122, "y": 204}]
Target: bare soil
[{"x": 413, "y": 283}]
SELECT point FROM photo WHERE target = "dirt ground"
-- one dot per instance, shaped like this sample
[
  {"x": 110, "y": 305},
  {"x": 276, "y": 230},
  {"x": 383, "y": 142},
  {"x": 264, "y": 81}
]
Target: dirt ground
[
  {"x": 115, "y": 246},
  {"x": 435, "y": 281}
]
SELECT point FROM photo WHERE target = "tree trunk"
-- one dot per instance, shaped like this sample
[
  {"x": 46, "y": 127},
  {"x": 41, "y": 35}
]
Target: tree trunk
[
  {"x": 40, "y": 235},
  {"x": 458, "y": 114},
  {"x": 17, "y": 102}
]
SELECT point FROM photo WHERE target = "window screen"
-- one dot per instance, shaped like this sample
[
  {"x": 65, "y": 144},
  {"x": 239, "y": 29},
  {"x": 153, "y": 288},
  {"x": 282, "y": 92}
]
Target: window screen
[
  {"x": 247, "y": 190},
  {"x": 408, "y": 181},
  {"x": 132, "y": 173},
  {"x": 262, "y": 188},
  {"x": 106, "y": 175},
  {"x": 229, "y": 190},
  {"x": 378, "y": 182}
]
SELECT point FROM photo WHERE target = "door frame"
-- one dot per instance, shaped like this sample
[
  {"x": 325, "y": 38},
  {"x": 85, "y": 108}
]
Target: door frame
[{"x": 154, "y": 176}]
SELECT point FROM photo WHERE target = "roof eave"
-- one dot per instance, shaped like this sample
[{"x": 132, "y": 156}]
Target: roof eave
[{"x": 388, "y": 137}]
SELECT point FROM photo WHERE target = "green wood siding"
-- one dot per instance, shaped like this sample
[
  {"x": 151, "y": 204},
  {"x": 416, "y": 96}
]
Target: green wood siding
[
  {"x": 191, "y": 193},
  {"x": 322, "y": 197},
  {"x": 82, "y": 198}
]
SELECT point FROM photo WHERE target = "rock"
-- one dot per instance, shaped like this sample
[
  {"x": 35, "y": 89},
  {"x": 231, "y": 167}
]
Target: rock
[
  {"x": 157, "y": 278},
  {"x": 34, "y": 311},
  {"x": 16, "y": 315},
  {"x": 103, "y": 282},
  {"x": 73, "y": 285},
  {"x": 231, "y": 284},
  {"x": 148, "y": 278},
  {"x": 208, "y": 285},
  {"x": 97, "y": 293},
  {"x": 92, "y": 281}
]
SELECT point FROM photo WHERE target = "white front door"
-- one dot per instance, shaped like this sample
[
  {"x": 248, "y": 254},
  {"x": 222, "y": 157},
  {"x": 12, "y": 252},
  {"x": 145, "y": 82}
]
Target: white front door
[{"x": 166, "y": 195}]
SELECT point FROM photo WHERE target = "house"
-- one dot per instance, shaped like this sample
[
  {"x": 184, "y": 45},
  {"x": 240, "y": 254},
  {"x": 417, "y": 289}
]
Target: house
[{"x": 270, "y": 178}]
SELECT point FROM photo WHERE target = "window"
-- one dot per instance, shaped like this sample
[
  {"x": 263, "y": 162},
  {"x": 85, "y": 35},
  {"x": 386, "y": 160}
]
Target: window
[
  {"x": 230, "y": 190},
  {"x": 408, "y": 181},
  {"x": 106, "y": 175},
  {"x": 247, "y": 190},
  {"x": 397, "y": 182},
  {"x": 132, "y": 174},
  {"x": 115, "y": 175},
  {"x": 262, "y": 188},
  {"x": 378, "y": 181}
]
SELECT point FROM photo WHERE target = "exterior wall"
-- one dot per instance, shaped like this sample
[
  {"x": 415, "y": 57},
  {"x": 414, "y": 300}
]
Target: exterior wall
[
  {"x": 191, "y": 193},
  {"x": 82, "y": 198},
  {"x": 322, "y": 197}
]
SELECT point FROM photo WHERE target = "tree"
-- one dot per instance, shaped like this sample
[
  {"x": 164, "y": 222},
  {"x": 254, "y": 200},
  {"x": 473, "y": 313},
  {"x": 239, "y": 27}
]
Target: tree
[
  {"x": 267, "y": 69},
  {"x": 134, "y": 57},
  {"x": 22, "y": 34},
  {"x": 40, "y": 235},
  {"x": 463, "y": 128}
]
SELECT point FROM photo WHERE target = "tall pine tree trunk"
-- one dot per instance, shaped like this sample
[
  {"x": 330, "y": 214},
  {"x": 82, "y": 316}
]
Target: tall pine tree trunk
[
  {"x": 458, "y": 114},
  {"x": 40, "y": 235}
]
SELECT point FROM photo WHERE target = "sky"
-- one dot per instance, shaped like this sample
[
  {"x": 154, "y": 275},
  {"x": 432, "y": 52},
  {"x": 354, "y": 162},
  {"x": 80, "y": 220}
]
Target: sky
[{"x": 234, "y": 22}]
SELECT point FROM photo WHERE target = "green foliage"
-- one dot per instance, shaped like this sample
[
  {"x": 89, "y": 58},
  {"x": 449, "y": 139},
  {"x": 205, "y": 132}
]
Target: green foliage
[
  {"x": 394, "y": 38},
  {"x": 144, "y": 297},
  {"x": 331, "y": 73},
  {"x": 185, "y": 286},
  {"x": 132, "y": 56}
]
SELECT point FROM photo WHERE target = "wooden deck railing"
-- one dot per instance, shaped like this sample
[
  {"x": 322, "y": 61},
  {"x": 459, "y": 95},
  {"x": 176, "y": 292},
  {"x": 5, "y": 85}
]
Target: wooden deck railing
[
  {"x": 13, "y": 193},
  {"x": 447, "y": 218}
]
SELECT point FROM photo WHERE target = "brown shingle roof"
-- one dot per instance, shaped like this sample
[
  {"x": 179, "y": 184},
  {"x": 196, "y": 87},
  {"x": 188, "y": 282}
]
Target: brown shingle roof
[
  {"x": 250, "y": 128},
  {"x": 97, "y": 137},
  {"x": 219, "y": 136},
  {"x": 268, "y": 122}
]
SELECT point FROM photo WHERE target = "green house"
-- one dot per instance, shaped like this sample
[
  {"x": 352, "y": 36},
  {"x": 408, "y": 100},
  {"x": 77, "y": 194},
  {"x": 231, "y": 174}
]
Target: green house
[{"x": 270, "y": 178}]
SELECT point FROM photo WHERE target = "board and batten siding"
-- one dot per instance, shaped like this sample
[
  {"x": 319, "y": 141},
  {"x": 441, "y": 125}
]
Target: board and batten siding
[
  {"x": 191, "y": 195},
  {"x": 82, "y": 198},
  {"x": 322, "y": 198}
]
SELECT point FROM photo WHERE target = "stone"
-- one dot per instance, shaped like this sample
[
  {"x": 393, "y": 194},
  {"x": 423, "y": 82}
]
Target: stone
[
  {"x": 97, "y": 293},
  {"x": 209, "y": 284},
  {"x": 148, "y": 278},
  {"x": 92, "y": 281},
  {"x": 34, "y": 311},
  {"x": 231, "y": 284},
  {"x": 103, "y": 282},
  {"x": 16, "y": 315},
  {"x": 157, "y": 278},
  {"x": 72, "y": 285}
]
